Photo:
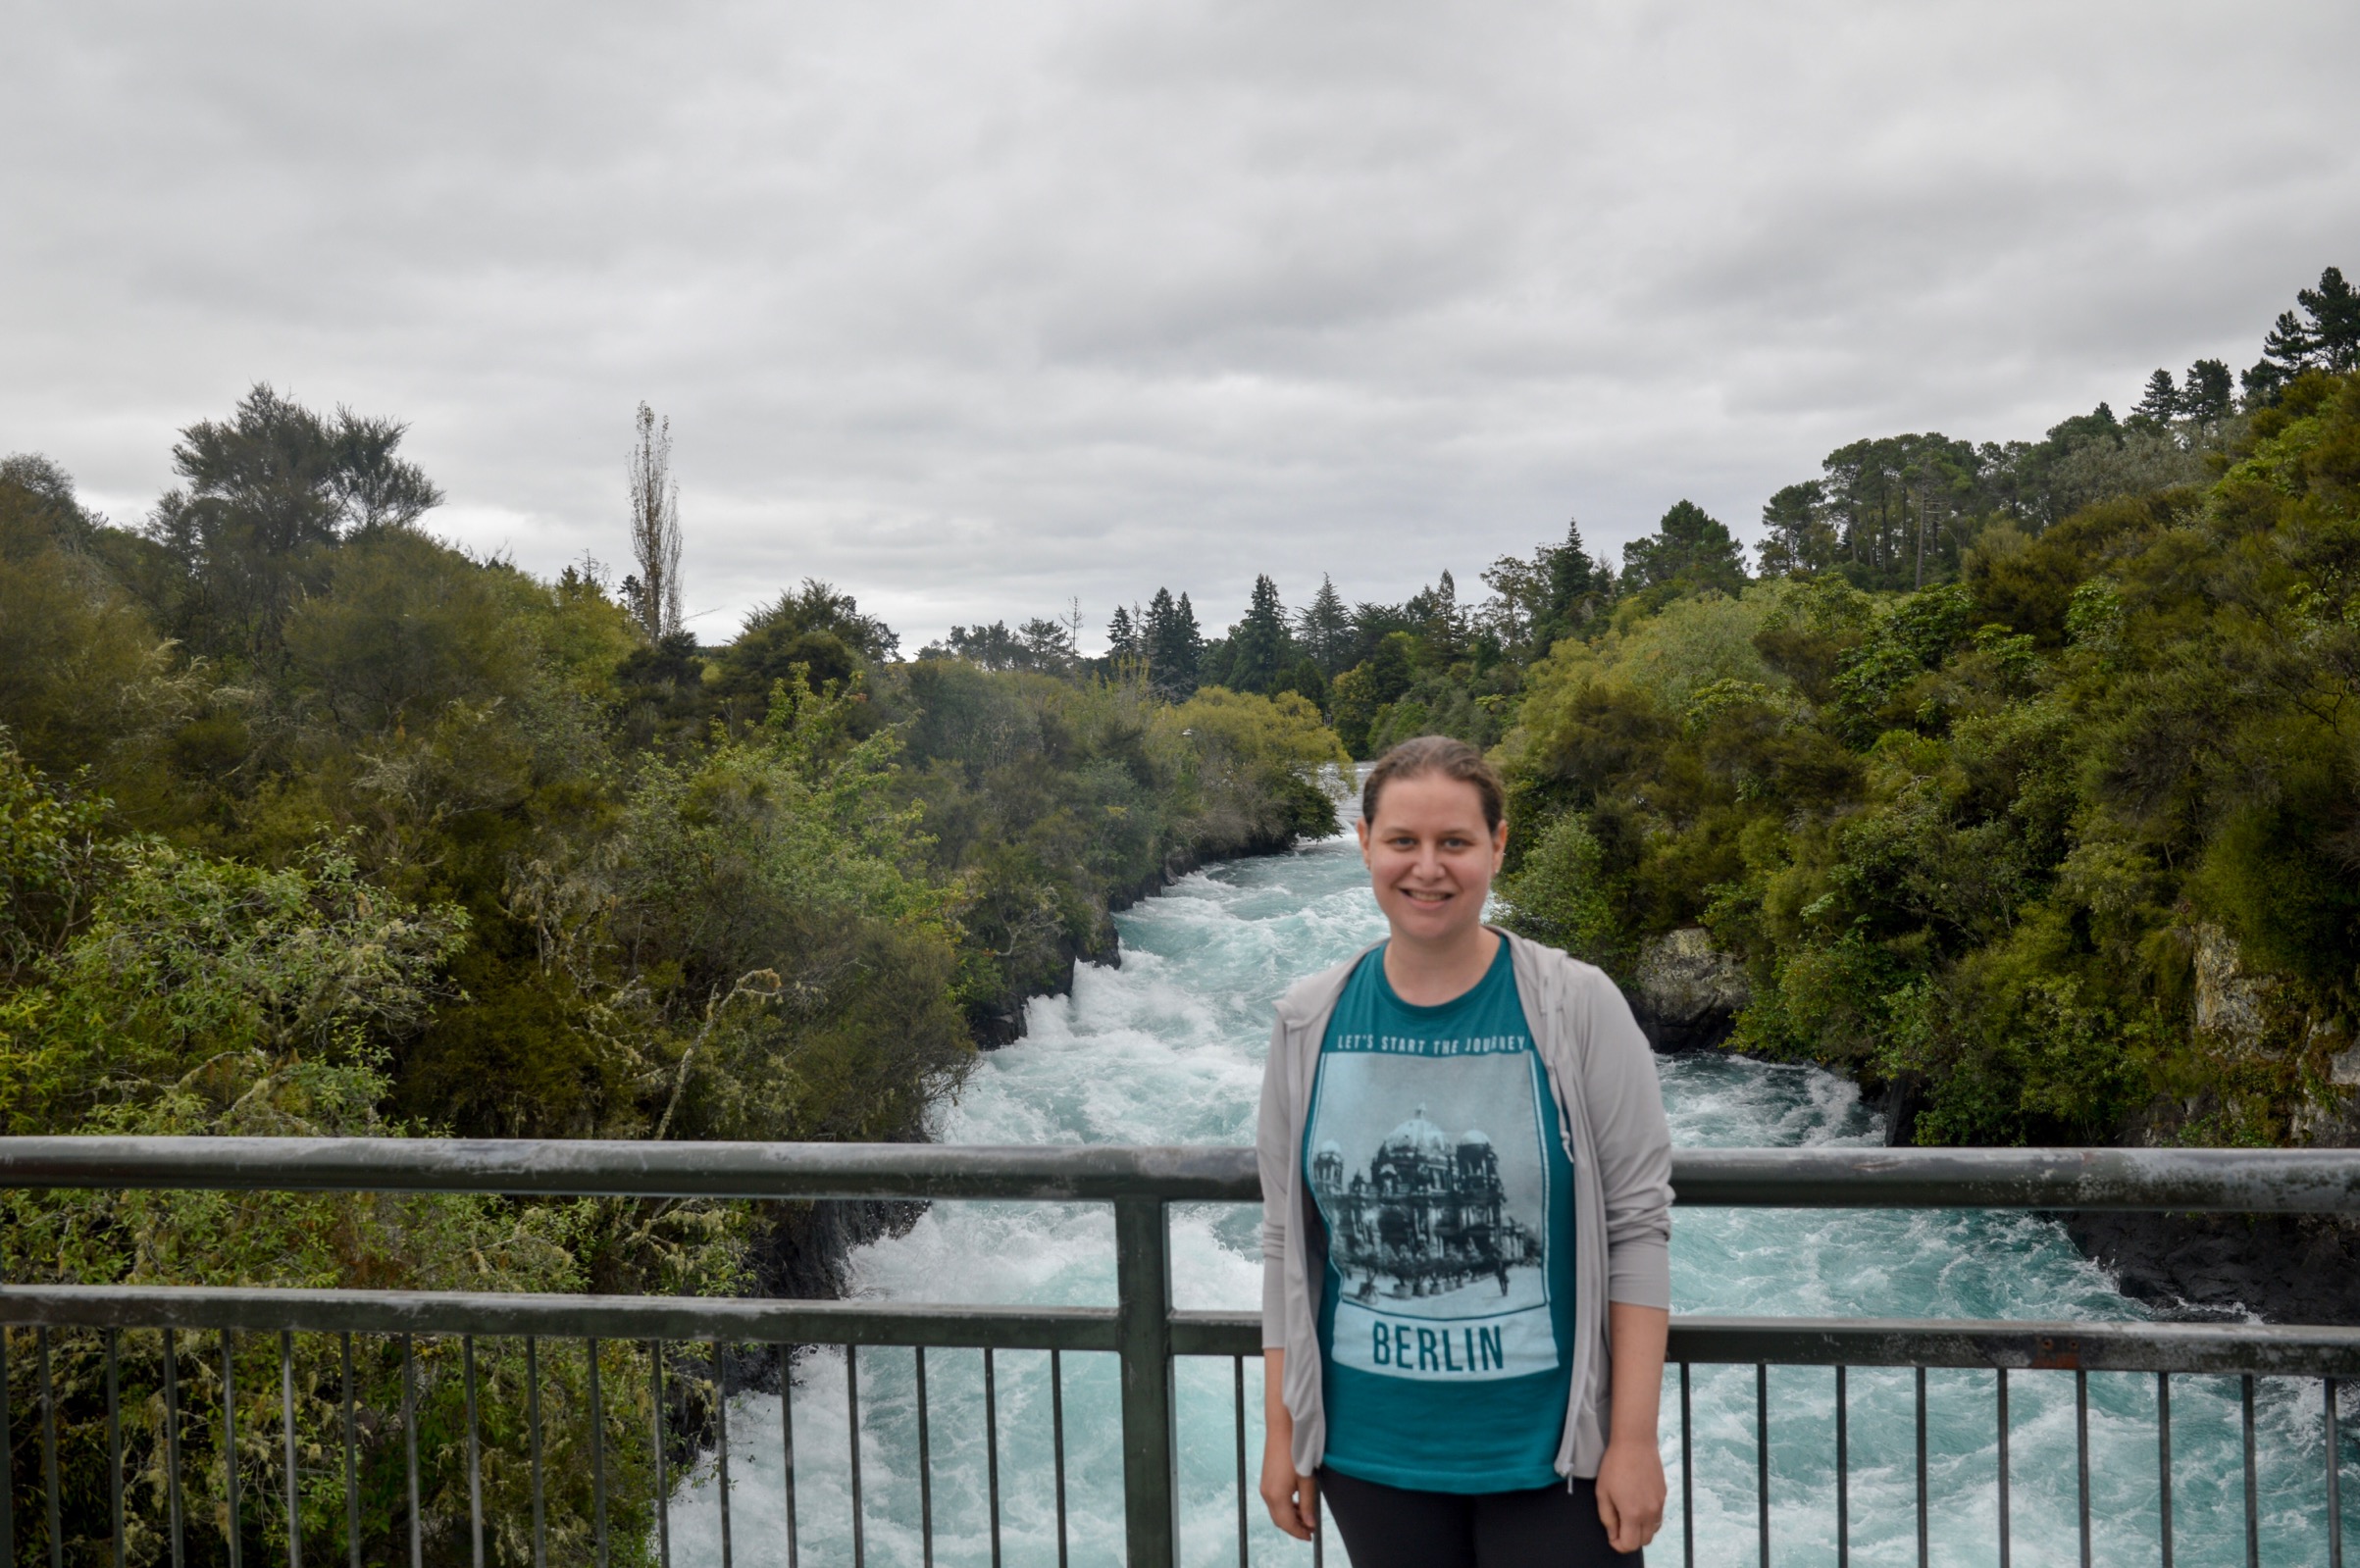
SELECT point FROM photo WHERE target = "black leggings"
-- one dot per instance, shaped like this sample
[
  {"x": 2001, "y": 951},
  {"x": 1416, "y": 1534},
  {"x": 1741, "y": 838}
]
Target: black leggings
[{"x": 1548, "y": 1527}]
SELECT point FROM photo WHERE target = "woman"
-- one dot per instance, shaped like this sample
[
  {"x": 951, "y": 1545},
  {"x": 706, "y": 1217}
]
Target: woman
[{"x": 1466, "y": 1182}]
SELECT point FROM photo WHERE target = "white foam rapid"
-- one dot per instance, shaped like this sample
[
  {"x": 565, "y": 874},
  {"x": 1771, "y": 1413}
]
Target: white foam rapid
[{"x": 1167, "y": 1048}]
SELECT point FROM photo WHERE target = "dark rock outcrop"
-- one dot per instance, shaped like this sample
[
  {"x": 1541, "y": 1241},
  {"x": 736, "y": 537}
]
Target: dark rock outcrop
[
  {"x": 1686, "y": 992},
  {"x": 1901, "y": 1102},
  {"x": 807, "y": 1249},
  {"x": 2282, "y": 1268}
]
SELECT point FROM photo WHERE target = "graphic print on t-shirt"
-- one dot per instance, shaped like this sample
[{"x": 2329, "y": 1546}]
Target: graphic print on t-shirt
[{"x": 1429, "y": 1171}]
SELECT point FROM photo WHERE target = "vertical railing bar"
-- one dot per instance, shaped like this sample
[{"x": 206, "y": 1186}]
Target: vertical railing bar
[
  {"x": 1762, "y": 1455},
  {"x": 352, "y": 1482},
  {"x": 1143, "y": 1333},
  {"x": 8, "y": 1464},
  {"x": 2082, "y": 1458},
  {"x": 57, "y": 1528},
  {"x": 721, "y": 1432},
  {"x": 992, "y": 1448},
  {"x": 1239, "y": 1406},
  {"x": 851, "y": 1396},
  {"x": 286, "y": 1415},
  {"x": 1320, "y": 1532},
  {"x": 2335, "y": 1475},
  {"x": 409, "y": 1431},
  {"x": 1687, "y": 1476},
  {"x": 114, "y": 1439},
  {"x": 2253, "y": 1521},
  {"x": 475, "y": 1456},
  {"x": 663, "y": 1487},
  {"x": 926, "y": 1465},
  {"x": 2163, "y": 1463},
  {"x": 229, "y": 1447},
  {"x": 541, "y": 1533},
  {"x": 1056, "y": 1439},
  {"x": 787, "y": 1439},
  {"x": 2004, "y": 1522},
  {"x": 172, "y": 1447},
  {"x": 1924, "y": 1543},
  {"x": 1843, "y": 1468},
  {"x": 597, "y": 1436}
]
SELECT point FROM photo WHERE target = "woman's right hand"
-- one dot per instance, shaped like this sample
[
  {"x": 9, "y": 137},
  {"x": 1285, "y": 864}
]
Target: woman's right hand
[{"x": 1292, "y": 1499}]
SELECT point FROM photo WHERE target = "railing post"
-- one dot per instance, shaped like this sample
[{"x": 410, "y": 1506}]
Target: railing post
[{"x": 1143, "y": 1286}]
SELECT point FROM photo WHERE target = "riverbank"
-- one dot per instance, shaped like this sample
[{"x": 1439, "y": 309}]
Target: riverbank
[
  {"x": 2277, "y": 1268},
  {"x": 1167, "y": 1049}
]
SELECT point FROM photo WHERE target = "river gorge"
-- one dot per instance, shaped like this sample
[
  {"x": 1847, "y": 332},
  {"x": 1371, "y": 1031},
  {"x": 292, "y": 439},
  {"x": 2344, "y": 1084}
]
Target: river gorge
[{"x": 1166, "y": 1049}]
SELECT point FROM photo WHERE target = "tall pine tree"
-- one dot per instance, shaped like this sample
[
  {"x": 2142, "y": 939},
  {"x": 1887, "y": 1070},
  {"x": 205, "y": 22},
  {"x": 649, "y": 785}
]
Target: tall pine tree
[
  {"x": 2206, "y": 391},
  {"x": 1259, "y": 645},
  {"x": 1174, "y": 643},
  {"x": 1323, "y": 629},
  {"x": 2333, "y": 308},
  {"x": 1576, "y": 584}
]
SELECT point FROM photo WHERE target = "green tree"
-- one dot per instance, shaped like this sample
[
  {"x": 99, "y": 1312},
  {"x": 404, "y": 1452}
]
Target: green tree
[
  {"x": 1174, "y": 644},
  {"x": 815, "y": 627},
  {"x": 264, "y": 493},
  {"x": 2160, "y": 401},
  {"x": 1690, "y": 549},
  {"x": 2324, "y": 335},
  {"x": 1309, "y": 679},
  {"x": 1323, "y": 629},
  {"x": 1576, "y": 582},
  {"x": 1122, "y": 637},
  {"x": 1362, "y": 695},
  {"x": 81, "y": 671},
  {"x": 1795, "y": 533},
  {"x": 2333, "y": 312},
  {"x": 1260, "y": 648},
  {"x": 2206, "y": 392}
]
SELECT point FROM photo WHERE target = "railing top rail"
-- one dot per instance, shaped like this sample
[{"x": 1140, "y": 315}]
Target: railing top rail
[
  {"x": 2246, "y": 1180},
  {"x": 734, "y": 1319},
  {"x": 2122, "y": 1346}
]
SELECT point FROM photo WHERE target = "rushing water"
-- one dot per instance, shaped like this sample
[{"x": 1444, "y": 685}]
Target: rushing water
[{"x": 1167, "y": 1049}]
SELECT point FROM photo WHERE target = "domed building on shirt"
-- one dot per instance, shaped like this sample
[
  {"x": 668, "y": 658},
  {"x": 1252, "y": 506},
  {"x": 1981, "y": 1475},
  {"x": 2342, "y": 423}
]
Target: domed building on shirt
[{"x": 1428, "y": 1206}]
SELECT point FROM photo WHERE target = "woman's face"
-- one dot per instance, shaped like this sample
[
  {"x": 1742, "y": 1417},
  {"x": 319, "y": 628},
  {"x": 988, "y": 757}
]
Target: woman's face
[{"x": 1431, "y": 857}]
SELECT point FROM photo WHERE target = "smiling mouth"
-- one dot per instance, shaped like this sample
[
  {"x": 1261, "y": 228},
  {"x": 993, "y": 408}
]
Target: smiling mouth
[{"x": 1425, "y": 896}]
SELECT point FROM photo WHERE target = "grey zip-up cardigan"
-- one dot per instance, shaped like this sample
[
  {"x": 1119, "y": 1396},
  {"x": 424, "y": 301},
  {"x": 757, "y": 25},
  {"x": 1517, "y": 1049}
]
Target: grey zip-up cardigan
[{"x": 1610, "y": 1116}]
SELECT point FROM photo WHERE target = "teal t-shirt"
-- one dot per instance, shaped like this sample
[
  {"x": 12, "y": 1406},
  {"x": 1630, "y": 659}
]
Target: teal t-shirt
[{"x": 1446, "y": 1327}]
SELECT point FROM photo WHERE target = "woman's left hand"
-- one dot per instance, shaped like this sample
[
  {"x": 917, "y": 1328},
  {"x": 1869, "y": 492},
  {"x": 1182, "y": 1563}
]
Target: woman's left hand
[{"x": 1630, "y": 1494}]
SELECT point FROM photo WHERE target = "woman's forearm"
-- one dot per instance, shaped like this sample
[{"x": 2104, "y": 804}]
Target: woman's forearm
[
  {"x": 1639, "y": 1334},
  {"x": 1292, "y": 1499},
  {"x": 1630, "y": 1474}
]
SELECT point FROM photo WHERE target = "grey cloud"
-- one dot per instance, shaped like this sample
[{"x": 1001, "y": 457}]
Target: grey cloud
[{"x": 974, "y": 310}]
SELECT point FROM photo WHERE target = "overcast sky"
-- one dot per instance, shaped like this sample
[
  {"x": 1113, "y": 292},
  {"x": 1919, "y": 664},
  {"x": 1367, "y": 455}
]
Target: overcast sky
[{"x": 976, "y": 309}]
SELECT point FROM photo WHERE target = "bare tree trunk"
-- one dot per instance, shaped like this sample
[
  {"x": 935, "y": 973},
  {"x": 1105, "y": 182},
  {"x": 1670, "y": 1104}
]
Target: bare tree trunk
[
  {"x": 1921, "y": 533},
  {"x": 655, "y": 526}
]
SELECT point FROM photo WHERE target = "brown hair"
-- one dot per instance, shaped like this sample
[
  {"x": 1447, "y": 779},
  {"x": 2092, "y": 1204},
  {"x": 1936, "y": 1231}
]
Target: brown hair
[{"x": 1429, "y": 755}]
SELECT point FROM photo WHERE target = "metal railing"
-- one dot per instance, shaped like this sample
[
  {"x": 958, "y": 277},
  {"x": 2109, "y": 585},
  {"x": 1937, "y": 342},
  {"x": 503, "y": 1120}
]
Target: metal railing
[{"x": 1142, "y": 1330}]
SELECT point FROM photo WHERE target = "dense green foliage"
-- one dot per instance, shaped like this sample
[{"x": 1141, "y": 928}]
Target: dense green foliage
[
  {"x": 2025, "y": 775},
  {"x": 313, "y": 824},
  {"x": 2071, "y": 841}
]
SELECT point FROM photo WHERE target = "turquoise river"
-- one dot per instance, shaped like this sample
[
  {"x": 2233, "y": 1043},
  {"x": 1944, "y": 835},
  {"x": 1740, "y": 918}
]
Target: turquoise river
[{"x": 1167, "y": 1048}]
